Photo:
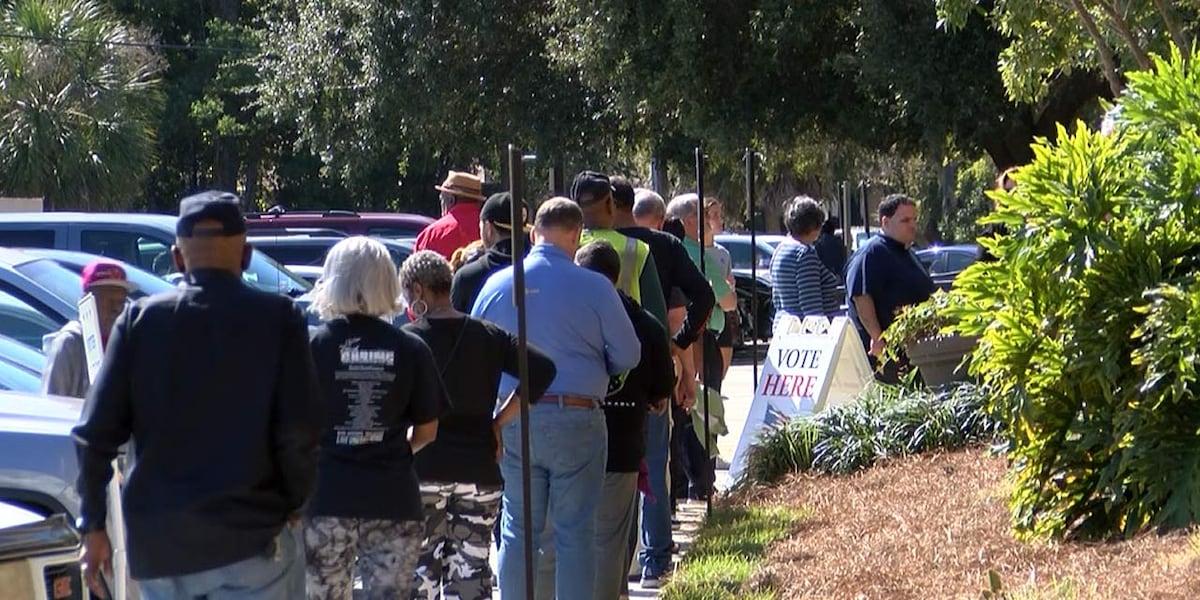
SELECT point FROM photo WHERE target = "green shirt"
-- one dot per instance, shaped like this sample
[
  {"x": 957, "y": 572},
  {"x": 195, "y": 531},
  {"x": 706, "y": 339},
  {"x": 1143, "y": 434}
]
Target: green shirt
[{"x": 714, "y": 272}]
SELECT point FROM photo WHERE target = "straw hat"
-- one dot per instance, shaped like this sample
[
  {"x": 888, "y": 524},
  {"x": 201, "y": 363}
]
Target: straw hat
[{"x": 464, "y": 185}]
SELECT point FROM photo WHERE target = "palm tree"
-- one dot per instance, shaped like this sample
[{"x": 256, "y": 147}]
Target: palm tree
[{"x": 78, "y": 102}]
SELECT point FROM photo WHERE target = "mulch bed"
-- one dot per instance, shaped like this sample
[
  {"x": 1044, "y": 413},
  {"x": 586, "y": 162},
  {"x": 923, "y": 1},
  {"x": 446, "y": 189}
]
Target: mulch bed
[{"x": 932, "y": 526}]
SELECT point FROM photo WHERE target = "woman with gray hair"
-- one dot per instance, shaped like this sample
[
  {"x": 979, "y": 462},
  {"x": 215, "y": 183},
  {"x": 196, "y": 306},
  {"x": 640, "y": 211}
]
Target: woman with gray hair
[
  {"x": 801, "y": 285},
  {"x": 382, "y": 404},
  {"x": 460, "y": 478}
]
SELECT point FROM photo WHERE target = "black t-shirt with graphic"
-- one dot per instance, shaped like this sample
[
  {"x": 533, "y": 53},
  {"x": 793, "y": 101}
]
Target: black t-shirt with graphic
[
  {"x": 376, "y": 382},
  {"x": 471, "y": 355}
]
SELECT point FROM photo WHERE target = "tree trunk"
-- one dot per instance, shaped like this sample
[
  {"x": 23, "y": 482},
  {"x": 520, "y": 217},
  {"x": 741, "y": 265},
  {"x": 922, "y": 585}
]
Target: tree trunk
[
  {"x": 1107, "y": 59},
  {"x": 1177, "y": 33},
  {"x": 1122, "y": 26}
]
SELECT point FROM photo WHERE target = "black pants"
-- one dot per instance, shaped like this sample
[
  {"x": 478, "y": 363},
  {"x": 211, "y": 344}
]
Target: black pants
[{"x": 687, "y": 444}]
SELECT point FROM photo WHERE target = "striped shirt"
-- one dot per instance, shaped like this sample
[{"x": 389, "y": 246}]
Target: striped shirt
[{"x": 801, "y": 286}]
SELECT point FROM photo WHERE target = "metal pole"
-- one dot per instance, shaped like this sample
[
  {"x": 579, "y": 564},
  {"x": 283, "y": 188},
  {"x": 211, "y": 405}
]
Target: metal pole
[
  {"x": 753, "y": 260},
  {"x": 866, "y": 207},
  {"x": 516, "y": 174},
  {"x": 556, "y": 176},
  {"x": 703, "y": 342},
  {"x": 847, "y": 225}
]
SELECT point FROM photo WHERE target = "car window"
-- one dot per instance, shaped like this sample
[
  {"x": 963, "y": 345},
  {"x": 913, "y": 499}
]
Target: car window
[
  {"x": 939, "y": 264},
  {"x": 13, "y": 514},
  {"x": 154, "y": 256},
  {"x": 59, "y": 281},
  {"x": 312, "y": 255},
  {"x": 27, "y": 238},
  {"x": 739, "y": 252},
  {"x": 22, "y": 322},
  {"x": 957, "y": 261},
  {"x": 394, "y": 232},
  {"x": 267, "y": 274},
  {"x": 16, "y": 378},
  {"x": 121, "y": 245}
]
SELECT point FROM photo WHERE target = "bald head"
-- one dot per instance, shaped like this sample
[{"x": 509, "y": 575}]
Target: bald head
[
  {"x": 649, "y": 210},
  {"x": 559, "y": 222}
]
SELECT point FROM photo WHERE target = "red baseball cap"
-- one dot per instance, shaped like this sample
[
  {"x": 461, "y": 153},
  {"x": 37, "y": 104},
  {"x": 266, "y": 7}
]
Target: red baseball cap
[{"x": 101, "y": 273}]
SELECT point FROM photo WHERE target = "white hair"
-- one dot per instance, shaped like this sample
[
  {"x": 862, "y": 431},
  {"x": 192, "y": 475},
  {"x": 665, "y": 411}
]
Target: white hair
[
  {"x": 683, "y": 206},
  {"x": 647, "y": 203},
  {"x": 359, "y": 278}
]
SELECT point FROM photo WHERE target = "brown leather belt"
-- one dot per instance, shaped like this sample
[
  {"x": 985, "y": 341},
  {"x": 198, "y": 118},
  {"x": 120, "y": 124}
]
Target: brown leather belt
[{"x": 563, "y": 400}]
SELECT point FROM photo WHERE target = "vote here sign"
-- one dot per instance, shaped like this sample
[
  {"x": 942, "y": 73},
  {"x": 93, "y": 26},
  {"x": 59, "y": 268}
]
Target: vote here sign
[{"x": 810, "y": 365}]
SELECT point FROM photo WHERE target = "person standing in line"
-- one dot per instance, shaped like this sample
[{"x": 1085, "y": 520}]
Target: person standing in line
[
  {"x": 690, "y": 300},
  {"x": 459, "y": 472},
  {"x": 831, "y": 247},
  {"x": 884, "y": 276},
  {"x": 66, "y": 372},
  {"x": 801, "y": 284},
  {"x": 212, "y": 355},
  {"x": 699, "y": 465},
  {"x": 383, "y": 398},
  {"x": 458, "y": 226},
  {"x": 645, "y": 390},
  {"x": 496, "y": 232},
  {"x": 714, "y": 224},
  {"x": 577, "y": 319}
]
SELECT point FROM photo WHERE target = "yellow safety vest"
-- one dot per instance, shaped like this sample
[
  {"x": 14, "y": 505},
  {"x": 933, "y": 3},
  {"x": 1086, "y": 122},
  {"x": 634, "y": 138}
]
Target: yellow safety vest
[{"x": 634, "y": 254}]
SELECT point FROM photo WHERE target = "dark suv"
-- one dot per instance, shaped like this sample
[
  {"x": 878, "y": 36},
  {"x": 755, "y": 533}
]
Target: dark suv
[{"x": 385, "y": 225}]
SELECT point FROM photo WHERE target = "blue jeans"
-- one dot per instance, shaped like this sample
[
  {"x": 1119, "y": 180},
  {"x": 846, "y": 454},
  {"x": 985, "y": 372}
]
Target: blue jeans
[
  {"x": 277, "y": 574},
  {"x": 655, "y": 556},
  {"x": 568, "y": 449}
]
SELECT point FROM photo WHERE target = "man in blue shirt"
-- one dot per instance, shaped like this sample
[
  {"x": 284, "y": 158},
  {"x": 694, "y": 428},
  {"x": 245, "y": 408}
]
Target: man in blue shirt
[
  {"x": 577, "y": 318},
  {"x": 885, "y": 276}
]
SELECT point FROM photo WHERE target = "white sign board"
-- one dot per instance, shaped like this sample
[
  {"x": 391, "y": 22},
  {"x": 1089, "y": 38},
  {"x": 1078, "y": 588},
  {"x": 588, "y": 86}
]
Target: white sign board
[
  {"x": 93, "y": 347},
  {"x": 811, "y": 365}
]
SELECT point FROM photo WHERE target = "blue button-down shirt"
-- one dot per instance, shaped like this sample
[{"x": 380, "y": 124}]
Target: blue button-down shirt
[{"x": 574, "y": 315}]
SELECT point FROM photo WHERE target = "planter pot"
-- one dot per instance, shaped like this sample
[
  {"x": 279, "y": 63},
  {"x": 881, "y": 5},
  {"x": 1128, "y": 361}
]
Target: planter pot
[{"x": 940, "y": 359}]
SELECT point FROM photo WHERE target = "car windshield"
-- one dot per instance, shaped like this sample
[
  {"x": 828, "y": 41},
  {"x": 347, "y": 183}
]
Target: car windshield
[
  {"x": 59, "y": 281},
  {"x": 24, "y": 355},
  {"x": 17, "y": 378},
  {"x": 267, "y": 275}
]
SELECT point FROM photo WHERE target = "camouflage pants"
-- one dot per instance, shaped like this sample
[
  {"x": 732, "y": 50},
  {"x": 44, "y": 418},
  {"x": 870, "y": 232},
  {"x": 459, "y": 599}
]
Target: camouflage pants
[
  {"x": 458, "y": 533},
  {"x": 383, "y": 552}
]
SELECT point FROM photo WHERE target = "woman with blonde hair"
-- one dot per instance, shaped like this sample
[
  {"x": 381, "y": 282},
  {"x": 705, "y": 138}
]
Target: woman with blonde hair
[
  {"x": 460, "y": 478},
  {"x": 382, "y": 399}
]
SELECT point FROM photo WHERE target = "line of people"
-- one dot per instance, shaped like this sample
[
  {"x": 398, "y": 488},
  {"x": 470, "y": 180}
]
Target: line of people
[{"x": 269, "y": 462}]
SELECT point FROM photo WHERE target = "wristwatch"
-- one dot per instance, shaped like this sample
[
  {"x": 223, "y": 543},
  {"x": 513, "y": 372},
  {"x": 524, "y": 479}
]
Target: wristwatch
[{"x": 84, "y": 526}]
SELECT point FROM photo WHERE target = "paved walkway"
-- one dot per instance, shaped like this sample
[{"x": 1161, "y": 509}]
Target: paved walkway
[{"x": 739, "y": 392}]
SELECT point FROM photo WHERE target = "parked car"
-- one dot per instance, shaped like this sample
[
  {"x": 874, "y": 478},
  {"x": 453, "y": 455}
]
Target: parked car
[
  {"x": 386, "y": 225},
  {"x": 306, "y": 250},
  {"x": 27, "y": 357},
  {"x": 944, "y": 263},
  {"x": 29, "y": 306},
  {"x": 738, "y": 245},
  {"x": 745, "y": 286},
  {"x": 38, "y": 502},
  {"x": 140, "y": 239}
]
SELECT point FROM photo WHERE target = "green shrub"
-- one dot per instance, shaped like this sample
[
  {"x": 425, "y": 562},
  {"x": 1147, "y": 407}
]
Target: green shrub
[
  {"x": 1090, "y": 319},
  {"x": 887, "y": 421}
]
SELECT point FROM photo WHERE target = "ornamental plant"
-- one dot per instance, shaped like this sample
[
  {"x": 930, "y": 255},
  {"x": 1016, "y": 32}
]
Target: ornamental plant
[{"x": 1089, "y": 319}]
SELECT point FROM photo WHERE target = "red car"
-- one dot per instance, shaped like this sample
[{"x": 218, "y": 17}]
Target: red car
[{"x": 385, "y": 225}]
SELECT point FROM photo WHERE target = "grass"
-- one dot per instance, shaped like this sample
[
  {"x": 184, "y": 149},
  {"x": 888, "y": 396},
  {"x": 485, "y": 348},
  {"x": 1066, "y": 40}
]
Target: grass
[{"x": 730, "y": 548}]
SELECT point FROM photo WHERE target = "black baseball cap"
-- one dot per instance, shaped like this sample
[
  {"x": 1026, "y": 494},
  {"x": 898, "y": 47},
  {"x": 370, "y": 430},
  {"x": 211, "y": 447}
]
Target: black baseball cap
[
  {"x": 590, "y": 186},
  {"x": 497, "y": 210},
  {"x": 222, "y": 207}
]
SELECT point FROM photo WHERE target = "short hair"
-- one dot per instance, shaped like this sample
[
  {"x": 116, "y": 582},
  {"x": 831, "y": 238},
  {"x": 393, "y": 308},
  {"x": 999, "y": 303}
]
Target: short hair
[
  {"x": 683, "y": 206},
  {"x": 647, "y": 203},
  {"x": 804, "y": 215},
  {"x": 359, "y": 277},
  {"x": 429, "y": 269},
  {"x": 888, "y": 207},
  {"x": 675, "y": 227},
  {"x": 558, "y": 213},
  {"x": 623, "y": 195},
  {"x": 601, "y": 257}
]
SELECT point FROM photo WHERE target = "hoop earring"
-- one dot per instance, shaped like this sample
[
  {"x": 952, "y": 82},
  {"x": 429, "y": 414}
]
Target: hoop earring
[{"x": 418, "y": 308}]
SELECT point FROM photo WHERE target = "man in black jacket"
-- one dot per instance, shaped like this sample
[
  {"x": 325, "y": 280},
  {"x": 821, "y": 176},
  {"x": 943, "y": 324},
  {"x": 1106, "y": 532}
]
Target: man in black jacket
[
  {"x": 496, "y": 231},
  {"x": 645, "y": 388},
  {"x": 689, "y": 299},
  {"x": 215, "y": 383}
]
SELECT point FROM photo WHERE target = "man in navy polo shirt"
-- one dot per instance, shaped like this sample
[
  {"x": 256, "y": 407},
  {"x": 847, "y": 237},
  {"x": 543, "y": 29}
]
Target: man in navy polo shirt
[{"x": 884, "y": 276}]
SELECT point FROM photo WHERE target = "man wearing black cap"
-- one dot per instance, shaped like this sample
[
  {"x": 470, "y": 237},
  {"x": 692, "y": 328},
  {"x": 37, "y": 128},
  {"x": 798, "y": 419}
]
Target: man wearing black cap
[
  {"x": 496, "y": 231},
  {"x": 592, "y": 191},
  {"x": 215, "y": 383}
]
